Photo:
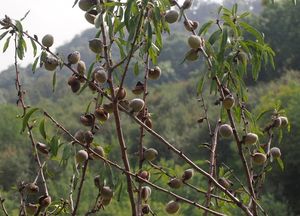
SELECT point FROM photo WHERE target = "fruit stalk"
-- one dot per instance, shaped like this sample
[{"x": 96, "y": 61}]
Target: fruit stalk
[
  {"x": 80, "y": 187},
  {"x": 212, "y": 165},
  {"x": 29, "y": 128},
  {"x": 116, "y": 113},
  {"x": 142, "y": 133},
  {"x": 239, "y": 143},
  {"x": 153, "y": 133},
  {"x": 123, "y": 170}
]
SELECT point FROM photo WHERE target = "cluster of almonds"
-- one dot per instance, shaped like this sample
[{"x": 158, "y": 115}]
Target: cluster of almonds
[
  {"x": 173, "y": 206},
  {"x": 105, "y": 191},
  {"x": 194, "y": 41},
  {"x": 226, "y": 131},
  {"x": 43, "y": 201},
  {"x": 87, "y": 138},
  {"x": 176, "y": 183}
]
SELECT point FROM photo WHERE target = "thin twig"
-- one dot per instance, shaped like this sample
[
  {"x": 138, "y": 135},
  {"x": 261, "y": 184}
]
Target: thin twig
[
  {"x": 212, "y": 165},
  {"x": 188, "y": 184},
  {"x": 80, "y": 187},
  {"x": 244, "y": 188},
  {"x": 178, "y": 197},
  {"x": 21, "y": 101},
  {"x": 136, "y": 36},
  {"x": 175, "y": 150},
  {"x": 3, "y": 206},
  {"x": 71, "y": 193},
  {"x": 119, "y": 131},
  {"x": 239, "y": 143},
  {"x": 143, "y": 114}
]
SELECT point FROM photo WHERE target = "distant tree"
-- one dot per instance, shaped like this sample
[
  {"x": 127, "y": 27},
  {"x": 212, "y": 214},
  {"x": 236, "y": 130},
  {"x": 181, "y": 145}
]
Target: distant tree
[{"x": 281, "y": 22}]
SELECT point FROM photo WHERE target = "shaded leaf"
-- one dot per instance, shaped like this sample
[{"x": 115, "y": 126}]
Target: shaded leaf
[
  {"x": 119, "y": 192},
  {"x": 214, "y": 36},
  {"x": 35, "y": 64},
  {"x": 19, "y": 26},
  {"x": 136, "y": 69},
  {"x": 252, "y": 31},
  {"x": 54, "y": 146},
  {"x": 280, "y": 163},
  {"x": 75, "y": 3},
  {"x": 3, "y": 35},
  {"x": 42, "y": 129},
  {"x": 54, "y": 81},
  {"x": 25, "y": 15},
  {"x": 205, "y": 27},
  {"x": 27, "y": 117},
  {"x": 33, "y": 47},
  {"x": 6, "y": 44},
  {"x": 200, "y": 85}
]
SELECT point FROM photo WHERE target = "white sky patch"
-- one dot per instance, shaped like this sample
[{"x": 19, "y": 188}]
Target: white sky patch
[{"x": 56, "y": 17}]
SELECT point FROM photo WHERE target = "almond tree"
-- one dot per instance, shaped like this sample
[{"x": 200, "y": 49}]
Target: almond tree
[{"x": 231, "y": 49}]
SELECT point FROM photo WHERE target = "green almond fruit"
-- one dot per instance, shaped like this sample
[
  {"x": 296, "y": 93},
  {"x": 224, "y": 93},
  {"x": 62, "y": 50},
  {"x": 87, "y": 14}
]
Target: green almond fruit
[
  {"x": 172, "y": 207},
  {"x": 48, "y": 40},
  {"x": 171, "y": 16}
]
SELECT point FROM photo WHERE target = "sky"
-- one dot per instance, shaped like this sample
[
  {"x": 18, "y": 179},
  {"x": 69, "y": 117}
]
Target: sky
[{"x": 56, "y": 17}]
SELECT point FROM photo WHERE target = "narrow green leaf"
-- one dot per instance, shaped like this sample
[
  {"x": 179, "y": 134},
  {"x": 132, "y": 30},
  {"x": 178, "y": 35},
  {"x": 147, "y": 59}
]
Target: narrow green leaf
[
  {"x": 280, "y": 163},
  {"x": 228, "y": 22},
  {"x": 214, "y": 36},
  {"x": 120, "y": 191},
  {"x": 252, "y": 31},
  {"x": 21, "y": 47},
  {"x": 205, "y": 27},
  {"x": 23, "y": 43},
  {"x": 224, "y": 39},
  {"x": 110, "y": 25},
  {"x": 25, "y": 15},
  {"x": 136, "y": 69},
  {"x": 54, "y": 146},
  {"x": 112, "y": 4},
  {"x": 3, "y": 35},
  {"x": 118, "y": 26},
  {"x": 234, "y": 9},
  {"x": 33, "y": 47},
  {"x": 127, "y": 13},
  {"x": 149, "y": 34},
  {"x": 121, "y": 49},
  {"x": 200, "y": 85},
  {"x": 87, "y": 110},
  {"x": 67, "y": 152},
  {"x": 219, "y": 9},
  {"x": 75, "y": 3},
  {"x": 222, "y": 46},
  {"x": 98, "y": 20},
  {"x": 245, "y": 14},
  {"x": 260, "y": 115},
  {"x": 280, "y": 135},
  {"x": 27, "y": 117},
  {"x": 35, "y": 64},
  {"x": 42, "y": 129},
  {"x": 89, "y": 73},
  {"x": 153, "y": 54},
  {"x": 54, "y": 81},
  {"x": 255, "y": 67},
  {"x": 6, "y": 44},
  {"x": 158, "y": 36},
  {"x": 19, "y": 26}
]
